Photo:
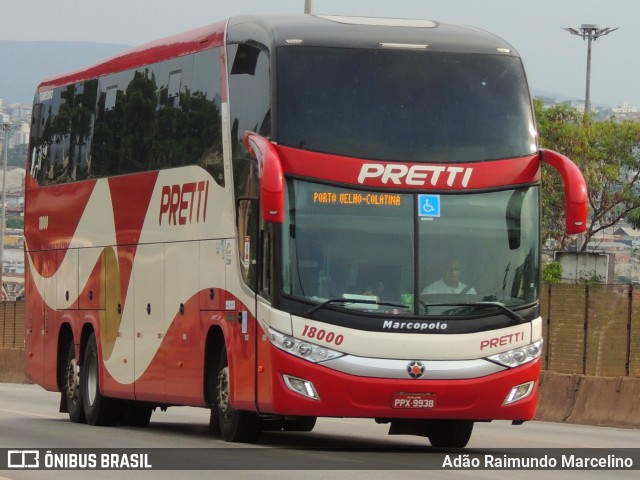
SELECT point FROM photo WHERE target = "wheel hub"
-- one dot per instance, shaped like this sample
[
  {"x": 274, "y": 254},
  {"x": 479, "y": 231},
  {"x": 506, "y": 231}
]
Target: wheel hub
[
  {"x": 73, "y": 381},
  {"x": 224, "y": 400}
]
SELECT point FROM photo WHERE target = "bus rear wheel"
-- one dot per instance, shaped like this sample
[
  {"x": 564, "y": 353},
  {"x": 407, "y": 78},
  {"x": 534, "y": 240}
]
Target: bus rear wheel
[
  {"x": 99, "y": 410},
  {"x": 72, "y": 390},
  {"x": 449, "y": 433},
  {"x": 235, "y": 425}
]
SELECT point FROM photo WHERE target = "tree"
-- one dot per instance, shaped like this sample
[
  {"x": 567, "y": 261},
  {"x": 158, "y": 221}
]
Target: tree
[
  {"x": 607, "y": 153},
  {"x": 15, "y": 222},
  {"x": 17, "y": 156}
]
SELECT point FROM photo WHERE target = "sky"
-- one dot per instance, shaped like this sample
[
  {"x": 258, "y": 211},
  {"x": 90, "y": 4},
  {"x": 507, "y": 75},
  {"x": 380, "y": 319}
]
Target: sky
[{"x": 555, "y": 61}]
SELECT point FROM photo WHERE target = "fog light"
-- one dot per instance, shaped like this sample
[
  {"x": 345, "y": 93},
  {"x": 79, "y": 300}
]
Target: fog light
[
  {"x": 519, "y": 392},
  {"x": 303, "y": 387}
]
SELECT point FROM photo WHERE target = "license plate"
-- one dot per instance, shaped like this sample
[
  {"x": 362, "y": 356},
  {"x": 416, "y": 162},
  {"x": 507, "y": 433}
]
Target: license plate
[{"x": 414, "y": 400}]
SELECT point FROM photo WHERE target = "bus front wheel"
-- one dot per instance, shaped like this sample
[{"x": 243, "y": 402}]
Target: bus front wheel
[
  {"x": 449, "y": 433},
  {"x": 235, "y": 425}
]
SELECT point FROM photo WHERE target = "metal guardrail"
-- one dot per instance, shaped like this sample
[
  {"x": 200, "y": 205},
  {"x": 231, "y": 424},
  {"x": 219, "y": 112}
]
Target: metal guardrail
[{"x": 588, "y": 329}]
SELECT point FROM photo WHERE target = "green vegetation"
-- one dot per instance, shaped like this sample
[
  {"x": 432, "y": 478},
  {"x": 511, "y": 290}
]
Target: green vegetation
[
  {"x": 17, "y": 156},
  {"x": 607, "y": 153},
  {"x": 15, "y": 222},
  {"x": 552, "y": 272}
]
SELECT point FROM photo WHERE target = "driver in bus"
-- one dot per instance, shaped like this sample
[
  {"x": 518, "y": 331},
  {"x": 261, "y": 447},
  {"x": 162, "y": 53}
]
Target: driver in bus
[{"x": 450, "y": 281}]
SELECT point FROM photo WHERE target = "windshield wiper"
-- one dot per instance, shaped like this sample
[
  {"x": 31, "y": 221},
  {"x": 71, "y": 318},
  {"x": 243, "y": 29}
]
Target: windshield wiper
[
  {"x": 509, "y": 312},
  {"x": 351, "y": 300}
]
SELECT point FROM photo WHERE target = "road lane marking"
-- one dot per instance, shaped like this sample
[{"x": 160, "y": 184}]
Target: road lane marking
[{"x": 30, "y": 414}]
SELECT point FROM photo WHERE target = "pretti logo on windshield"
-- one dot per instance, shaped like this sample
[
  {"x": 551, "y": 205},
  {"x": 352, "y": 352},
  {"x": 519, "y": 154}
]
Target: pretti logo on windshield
[{"x": 416, "y": 175}]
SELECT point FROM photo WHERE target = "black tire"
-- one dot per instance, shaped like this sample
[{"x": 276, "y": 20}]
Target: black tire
[
  {"x": 235, "y": 425},
  {"x": 71, "y": 388},
  {"x": 211, "y": 393},
  {"x": 214, "y": 422},
  {"x": 450, "y": 433},
  {"x": 98, "y": 410},
  {"x": 136, "y": 415}
]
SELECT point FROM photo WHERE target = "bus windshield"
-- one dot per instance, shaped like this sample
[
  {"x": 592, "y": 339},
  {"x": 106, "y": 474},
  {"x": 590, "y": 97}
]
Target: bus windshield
[
  {"x": 403, "y": 105},
  {"x": 404, "y": 253}
]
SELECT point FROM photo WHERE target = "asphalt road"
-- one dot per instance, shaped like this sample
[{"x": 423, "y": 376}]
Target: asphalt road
[{"x": 337, "y": 448}]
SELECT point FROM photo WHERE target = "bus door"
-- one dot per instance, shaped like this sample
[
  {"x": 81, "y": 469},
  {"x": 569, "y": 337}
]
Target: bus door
[
  {"x": 244, "y": 330},
  {"x": 264, "y": 314},
  {"x": 249, "y": 85}
]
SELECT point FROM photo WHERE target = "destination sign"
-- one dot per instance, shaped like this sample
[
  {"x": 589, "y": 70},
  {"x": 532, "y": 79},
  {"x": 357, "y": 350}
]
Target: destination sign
[{"x": 357, "y": 198}]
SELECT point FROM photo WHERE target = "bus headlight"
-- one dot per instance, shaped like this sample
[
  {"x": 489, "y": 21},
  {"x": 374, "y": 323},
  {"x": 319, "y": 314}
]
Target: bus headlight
[
  {"x": 309, "y": 351},
  {"x": 518, "y": 356}
]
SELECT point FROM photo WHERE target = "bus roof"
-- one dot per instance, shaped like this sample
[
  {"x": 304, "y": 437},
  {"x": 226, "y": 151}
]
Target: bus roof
[
  {"x": 274, "y": 31},
  {"x": 146, "y": 54},
  {"x": 362, "y": 32}
]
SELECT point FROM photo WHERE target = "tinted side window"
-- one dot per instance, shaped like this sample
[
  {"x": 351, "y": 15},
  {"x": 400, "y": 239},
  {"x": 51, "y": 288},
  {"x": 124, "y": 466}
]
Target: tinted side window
[
  {"x": 60, "y": 144},
  {"x": 250, "y": 108},
  {"x": 159, "y": 116},
  {"x": 107, "y": 148}
]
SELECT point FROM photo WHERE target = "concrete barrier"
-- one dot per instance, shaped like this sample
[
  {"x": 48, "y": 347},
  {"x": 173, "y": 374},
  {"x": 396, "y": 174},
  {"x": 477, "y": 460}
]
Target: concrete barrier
[
  {"x": 579, "y": 399},
  {"x": 587, "y": 400},
  {"x": 12, "y": 365}
]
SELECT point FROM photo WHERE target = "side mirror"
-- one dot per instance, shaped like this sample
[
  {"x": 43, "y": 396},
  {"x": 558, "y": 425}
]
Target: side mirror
[
  {"x": 575, "y": 190},
  {"x": 271, "y": 176}
]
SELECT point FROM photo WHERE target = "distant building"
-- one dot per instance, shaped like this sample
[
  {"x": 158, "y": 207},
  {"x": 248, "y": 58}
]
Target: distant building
[
  {"x": 20, "y": 112},
  {"x": 578, "y": 105},
  {"x": 625, "y": 108},
  {"x": 19, "y": 134},
  {"x": 628, "y": 235},
  {"x": 20, "y": 116}
]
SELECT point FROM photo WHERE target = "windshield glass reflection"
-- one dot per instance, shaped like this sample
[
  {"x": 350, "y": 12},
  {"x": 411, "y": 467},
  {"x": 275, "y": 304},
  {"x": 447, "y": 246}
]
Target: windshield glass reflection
[
  {"x": 384, "y": 253},
  {"x": 405, "y": 105}
]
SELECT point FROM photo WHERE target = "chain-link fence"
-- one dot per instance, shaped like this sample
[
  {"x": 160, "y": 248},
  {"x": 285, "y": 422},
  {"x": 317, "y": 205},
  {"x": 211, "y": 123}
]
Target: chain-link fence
[{"x": 588, "y": 329}]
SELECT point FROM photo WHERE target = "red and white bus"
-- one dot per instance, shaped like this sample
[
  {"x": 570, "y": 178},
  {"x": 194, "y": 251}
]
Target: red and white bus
[{"x": 249, "y": 217}]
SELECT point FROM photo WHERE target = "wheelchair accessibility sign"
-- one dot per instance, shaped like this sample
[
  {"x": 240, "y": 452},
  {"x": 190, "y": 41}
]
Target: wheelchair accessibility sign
[{"x": 428, "y": 205}]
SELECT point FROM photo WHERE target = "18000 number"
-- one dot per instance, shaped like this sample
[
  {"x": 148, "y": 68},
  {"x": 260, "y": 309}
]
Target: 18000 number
[{"x": 322, "y": 334}]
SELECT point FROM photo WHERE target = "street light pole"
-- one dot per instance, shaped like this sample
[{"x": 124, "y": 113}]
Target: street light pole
[
  {"x": 590, "y": 33},
  {"x": 308, "y": 7},
  {"x": 6, "y": 128}
]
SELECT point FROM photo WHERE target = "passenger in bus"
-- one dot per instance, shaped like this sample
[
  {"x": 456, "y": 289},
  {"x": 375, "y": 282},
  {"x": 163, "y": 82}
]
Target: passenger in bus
[{"x": 450, "y": 281}]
